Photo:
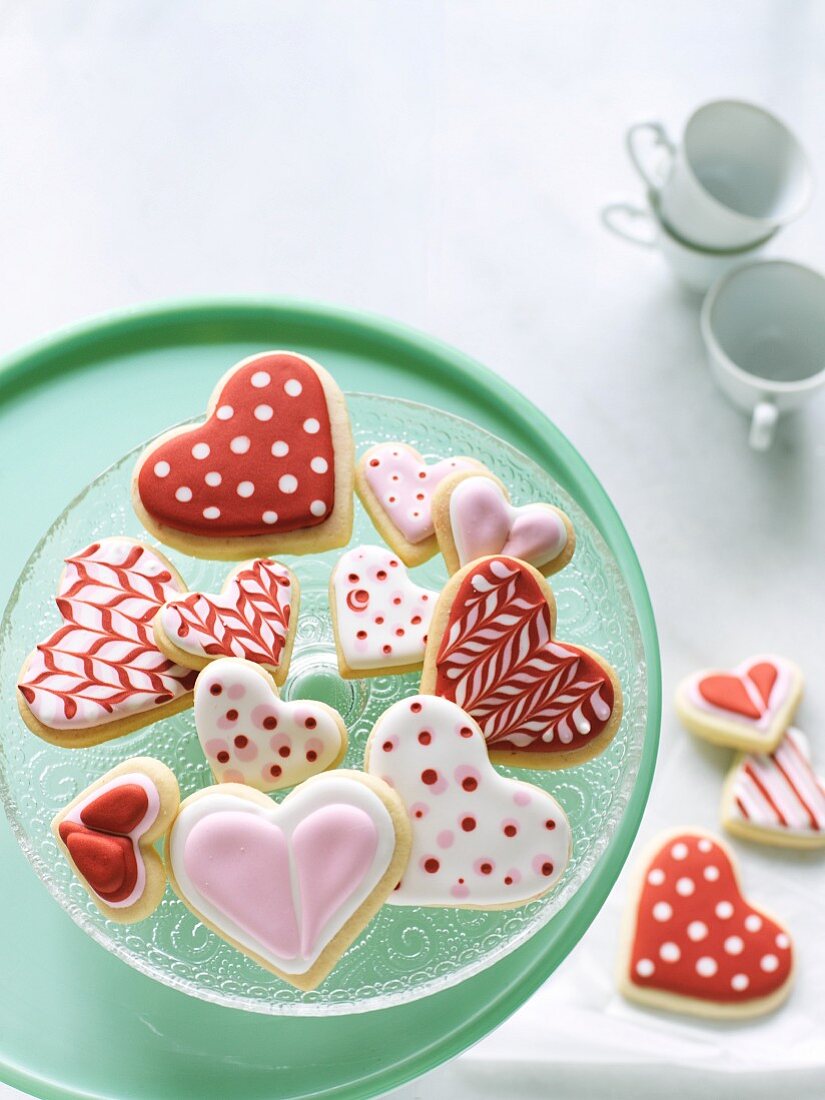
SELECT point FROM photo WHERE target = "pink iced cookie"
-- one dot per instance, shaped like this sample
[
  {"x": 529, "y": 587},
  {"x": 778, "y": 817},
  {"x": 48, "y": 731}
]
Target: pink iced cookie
[
  {"x": 380, "y": 616},
  {"x": 396, "y": 486},
  {"x": 479, "y": 840},
  {"x": 251, "y": 736}
]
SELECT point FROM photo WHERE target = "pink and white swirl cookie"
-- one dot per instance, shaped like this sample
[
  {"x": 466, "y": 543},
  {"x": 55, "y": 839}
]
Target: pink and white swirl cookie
[
  {"x": 254, "y": 617},
  {"x": 541, "y": 703},
  {"x": 396, "y": 486},
  {"x": 474, "y": 518},
  {"x": 101, "y": 674},
  {"x": 290, "y": 885},
  {"x": 250, "y": 735},
  {"x": 776, "y": 798},
  {"x": 479, "y": 841},
  {"x": 748, "y": 707},
  {"x": 269, "y": 470},
  {"x": 380, "y": 617},
  {"x": 107, "y": 834},
  {"x": 692, "y": 941}
]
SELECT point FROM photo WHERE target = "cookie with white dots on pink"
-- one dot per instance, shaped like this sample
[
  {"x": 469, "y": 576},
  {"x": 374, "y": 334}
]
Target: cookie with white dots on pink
[
  {"x": 692, "y": 941},
  {"x": 380, "y": 616},
  {"x": 250, "y": 735},
  {"x": 396, "y": 486},
  {"x": 269, "y": 470},
  {"x": 479, "y": 841}
]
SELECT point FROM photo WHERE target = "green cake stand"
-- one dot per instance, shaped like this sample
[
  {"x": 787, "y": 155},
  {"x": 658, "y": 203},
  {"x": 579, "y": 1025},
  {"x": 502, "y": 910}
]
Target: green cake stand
[{"x": 74, "y": 1020}]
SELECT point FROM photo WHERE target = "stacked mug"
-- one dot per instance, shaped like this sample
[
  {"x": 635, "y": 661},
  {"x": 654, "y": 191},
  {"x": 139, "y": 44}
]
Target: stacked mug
[{"x": 715, "y": 199}]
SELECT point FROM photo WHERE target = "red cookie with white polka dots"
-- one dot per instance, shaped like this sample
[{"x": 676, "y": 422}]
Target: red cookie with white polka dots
[
  {"x": 249, "y": 735},
  {"x": 270, "y": 469},
  {"x": 695, "y": 944},
  {"x": 479, "y": 841}
]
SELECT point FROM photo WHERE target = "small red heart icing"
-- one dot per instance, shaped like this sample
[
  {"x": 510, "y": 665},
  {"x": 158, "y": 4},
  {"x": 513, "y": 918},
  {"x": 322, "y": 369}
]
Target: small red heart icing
[
  {"x": 249, "y": 620},
  {"x": 262, "y": 463},
  {"x": 697, "y": 936},
  {"x": 746, "y": 691},
  {"x": 106, "y": 862},
  {"x": 498, "y": 660},
  {"x": 117, "y": 811}
]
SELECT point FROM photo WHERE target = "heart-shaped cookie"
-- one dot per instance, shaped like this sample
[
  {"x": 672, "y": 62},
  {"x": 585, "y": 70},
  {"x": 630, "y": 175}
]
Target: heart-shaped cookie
[
  {"x": 380, "y": 617},
  {"x": 249, "y": 735},
  {"x": 540, "y": 703},
  {"x": 100, "y": 674},
  {"x": 290, "y": 884},
  {"x": 748, "y": 707},
  {"x": 270, "y": 469},
  {"x": 479, "y": 841},
  {"x": 107, "y": 834},
  {"x": 776, "y": 798},
  {"x": 396, "y": 486},
  {"x": 693, "y": 942},
  {"x": 253, "y": 618},
  {"x": 474, "y": 519}
]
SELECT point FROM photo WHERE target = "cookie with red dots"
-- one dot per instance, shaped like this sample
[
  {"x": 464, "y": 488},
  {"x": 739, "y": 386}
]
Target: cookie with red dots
[
  {"x": 396, "y": 486},
  {"x": 269, "y": 470},
  {"x": 380, "y": 616},
  {"x": 479, "y": 841},
  {"x": 249, "y": 735},
  {"x": 693, "y": 942},
  {"x": 254, "y": 617},
  {"x": 108, "y": 834}
]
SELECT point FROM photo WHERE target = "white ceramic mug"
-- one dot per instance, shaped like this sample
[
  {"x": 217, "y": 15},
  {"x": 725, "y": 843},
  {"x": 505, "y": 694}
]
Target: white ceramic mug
[
  {"x": 764, "y": 328},
  {"x": 737, "y": 175},
  {"x": 696, "y": 268}
]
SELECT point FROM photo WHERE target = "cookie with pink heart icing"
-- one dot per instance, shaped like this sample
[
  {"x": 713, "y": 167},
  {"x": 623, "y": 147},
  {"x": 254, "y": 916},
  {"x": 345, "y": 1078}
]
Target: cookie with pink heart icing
[
  {"x": 479, "y": 841},
  {"x": 107, "y": 834},
  {"x": 396, "y": 486},
  {"x": 474, "y": 518},
  {"x": 268, "y": 471},
  {"x": 290, "y": 884},
  {"x": 100, "y": 674},
  {"x": 254, "y": 617},
  {"x": 250, "y": 735},
  {"x": 693, "y": 942},
  {"x": 492, "y": 649},
  {"x": 748, "y": 707},
  {"x": 380, "y": 616},
  {"x": 776, "y": 798}
]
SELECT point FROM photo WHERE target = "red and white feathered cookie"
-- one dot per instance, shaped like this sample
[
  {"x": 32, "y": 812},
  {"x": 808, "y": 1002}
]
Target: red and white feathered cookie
[
  {"x": 748, "y": 707},
  {"x": 100, "y": 674},
  {"x": 254, "y": 618},
  {"x": 270, "y": 469},
  {"x": 541, "y": 703},
  {"x": 692, "y": 942}
]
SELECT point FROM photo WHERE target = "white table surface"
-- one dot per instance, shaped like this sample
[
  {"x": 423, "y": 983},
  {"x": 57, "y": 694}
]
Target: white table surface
[{"x": 443, "y": 163}]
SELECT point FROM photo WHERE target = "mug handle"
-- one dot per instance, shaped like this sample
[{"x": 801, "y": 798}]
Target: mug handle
[
  {"x": 654, "y": 180},
  {"x": 763, "y": 423},
  {"x": 618, "y": 217}
]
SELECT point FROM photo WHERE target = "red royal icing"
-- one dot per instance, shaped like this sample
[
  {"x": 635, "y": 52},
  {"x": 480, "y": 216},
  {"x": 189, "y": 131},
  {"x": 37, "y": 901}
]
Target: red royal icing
[
  {"x": 697, "y": 936},
  {"x": 117, "y": 811},
  {"x": 499, "y": 662},
  {"x": 727, "y": 690},
  {"x": 262, "y": 463}
]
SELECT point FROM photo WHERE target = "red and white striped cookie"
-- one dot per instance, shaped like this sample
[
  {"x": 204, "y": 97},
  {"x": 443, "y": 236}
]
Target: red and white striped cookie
[
  {"x": 777, "y": 797},
  {"x": 692, "y": 942}
]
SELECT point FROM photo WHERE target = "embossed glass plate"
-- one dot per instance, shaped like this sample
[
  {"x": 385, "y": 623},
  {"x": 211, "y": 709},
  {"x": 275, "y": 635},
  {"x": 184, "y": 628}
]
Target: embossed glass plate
[{"x": 405, "y": 953}]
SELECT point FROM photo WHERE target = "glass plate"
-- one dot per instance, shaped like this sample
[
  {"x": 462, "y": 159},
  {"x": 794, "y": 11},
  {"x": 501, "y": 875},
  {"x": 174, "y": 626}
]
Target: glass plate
[{"x": 405, "y": 953}]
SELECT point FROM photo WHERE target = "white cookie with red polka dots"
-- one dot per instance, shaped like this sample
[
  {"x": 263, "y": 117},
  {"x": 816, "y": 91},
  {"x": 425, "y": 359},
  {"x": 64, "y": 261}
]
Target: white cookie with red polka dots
[
  {"x": 479, "y": 841},
  {"x": 269, "y": 470},
  {"x": 693, "y": 942},
  {"x": 380, "y": 617},
  {"x": 396, "y": 486},
  {"x": 249, "y": 735}
]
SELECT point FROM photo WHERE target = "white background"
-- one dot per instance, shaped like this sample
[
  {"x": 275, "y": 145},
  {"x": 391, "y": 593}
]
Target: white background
[{"x": 443, "y": 163}]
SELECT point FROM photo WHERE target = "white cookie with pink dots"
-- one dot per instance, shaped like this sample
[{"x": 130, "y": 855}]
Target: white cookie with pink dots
[
  {"x": 380, "y": 616},
  {"x": 480, "y": 841},
  {"x": 249, "y": 735}
]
